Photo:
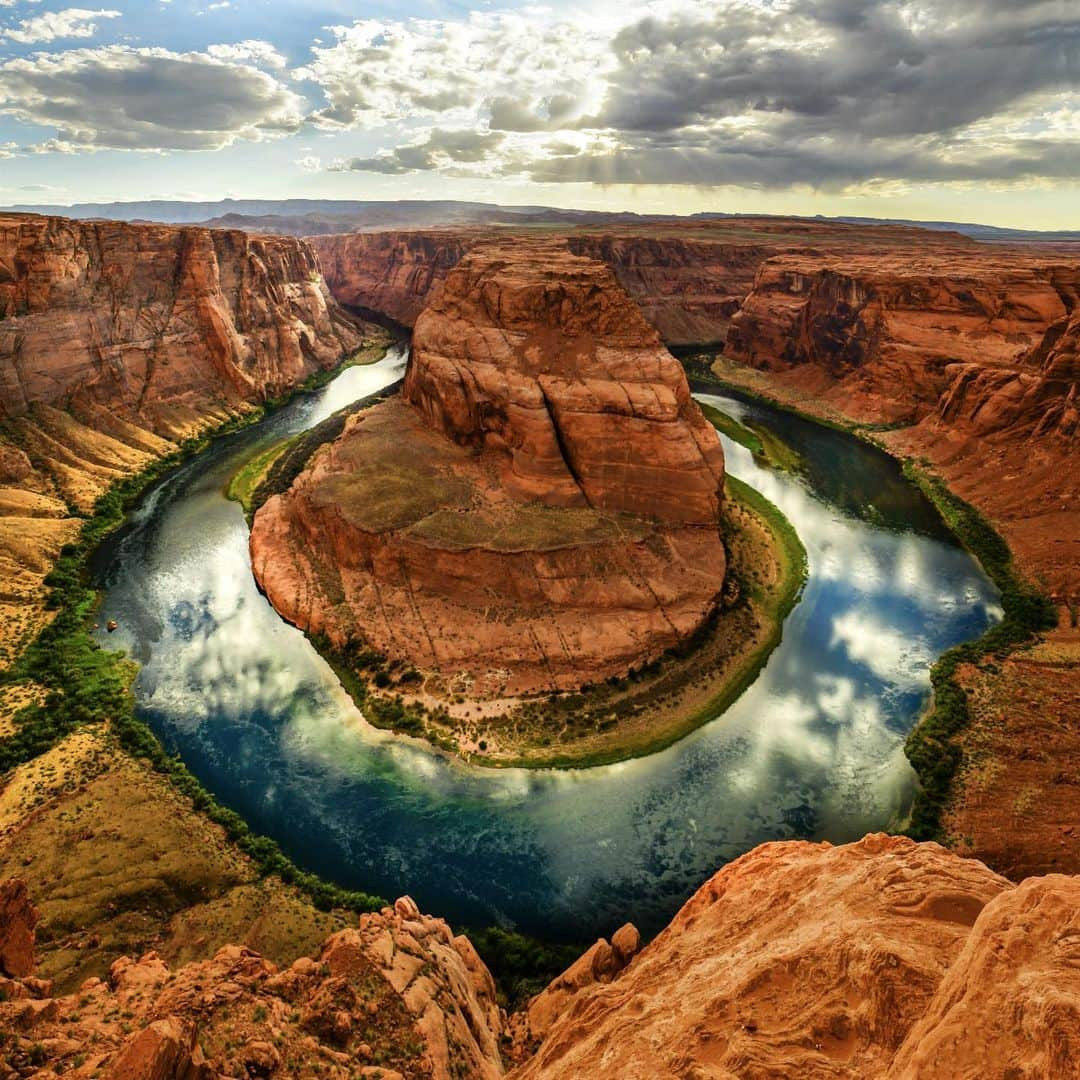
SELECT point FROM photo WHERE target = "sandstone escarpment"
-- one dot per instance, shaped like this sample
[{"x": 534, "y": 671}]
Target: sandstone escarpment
[
  {"x": 880, "y": 958},
  {"x": 687, "y": 288},
  {"x": 159, "y": 324},
  {"x": 117, "y": 341},
  {"x": 539, "y": 511}
]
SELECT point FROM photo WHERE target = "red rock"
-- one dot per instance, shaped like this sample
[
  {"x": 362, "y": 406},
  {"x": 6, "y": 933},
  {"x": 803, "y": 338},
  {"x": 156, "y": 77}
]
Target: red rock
[
  {"x": 1010, "y": 1003},
  {"x": 795, "y": 960},
  {"x": 165, "y": 1050},
  {"x": 159, "y": 324},
  {"x": 18, "y": 917},
  {"x": 540, "y": 511}
]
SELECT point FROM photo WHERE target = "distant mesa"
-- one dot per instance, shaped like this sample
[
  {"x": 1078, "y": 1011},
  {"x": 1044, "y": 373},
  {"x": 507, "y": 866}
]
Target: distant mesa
[{"x": 539, "y": 509}]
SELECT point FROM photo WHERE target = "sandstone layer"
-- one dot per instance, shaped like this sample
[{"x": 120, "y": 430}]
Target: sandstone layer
[
  {"x": 973, "y": 354},
  {"x": 882, "y": 958},
  {"x": 119, "y": 340},
  {"x": 541, "y": 508}
]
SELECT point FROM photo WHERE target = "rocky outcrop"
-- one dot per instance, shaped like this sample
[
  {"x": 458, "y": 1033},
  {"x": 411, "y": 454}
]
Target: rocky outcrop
[
  {"x": 17, "y": 921},
  {"x": 973, "y": 353},
  {"x": 160, "y": 325},
  {"x": 399, "y": 995},
  {"x": 539, "y": 512},
  {"x": 879, "y": 958}
]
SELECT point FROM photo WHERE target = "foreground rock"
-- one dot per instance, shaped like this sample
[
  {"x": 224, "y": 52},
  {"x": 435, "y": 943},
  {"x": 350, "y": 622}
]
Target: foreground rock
[
  {"x": 399, "y": 996},
  {"x": 539, "y": 511},
  {"x": 881, "y": 958}
]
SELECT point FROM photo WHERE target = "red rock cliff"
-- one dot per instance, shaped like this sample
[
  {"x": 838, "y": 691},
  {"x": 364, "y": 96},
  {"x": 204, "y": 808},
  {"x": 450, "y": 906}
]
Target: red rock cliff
[
  {"x": 540, "y": 511},
  {"x": 976, "y": 351},
  {"x": 687, "y": 288},
  {"x": 160, "y": 324}
]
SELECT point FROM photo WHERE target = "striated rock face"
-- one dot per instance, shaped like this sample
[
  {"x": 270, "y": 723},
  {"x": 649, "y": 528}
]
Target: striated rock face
[
  {"x": 976, "y": 351},
  {"x": 540, "y": 511},
  {"x": 545, "y": 362},
  {"x": 158, "y": 324},
  {"x": 392, "y": 273},
  {"x": 882, "y": 957},
  {"x": 688, "y": 289},
  {"x": 398, "y": 996}
]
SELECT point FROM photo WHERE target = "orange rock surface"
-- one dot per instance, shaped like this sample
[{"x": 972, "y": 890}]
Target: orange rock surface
[
  {"x": 879, "y": 958},
  {"x": 398, "y": 996},
  {"x": 540, "y": 511}
]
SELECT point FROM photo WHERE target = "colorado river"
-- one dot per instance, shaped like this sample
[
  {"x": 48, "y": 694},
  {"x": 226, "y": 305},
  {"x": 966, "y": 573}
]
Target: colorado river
[{"x": 814, "y": 748}]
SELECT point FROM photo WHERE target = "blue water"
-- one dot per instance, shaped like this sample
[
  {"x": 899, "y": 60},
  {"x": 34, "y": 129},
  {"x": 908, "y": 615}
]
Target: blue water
[{"x": 812, "y": 749}]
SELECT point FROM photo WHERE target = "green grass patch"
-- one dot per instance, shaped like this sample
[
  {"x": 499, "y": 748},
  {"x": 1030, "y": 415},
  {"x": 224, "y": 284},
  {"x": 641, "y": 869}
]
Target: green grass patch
[
  {"x": 521, "y": 965},
  {"x": 85, "y": 684},
  {"x": 932, "y": 746},
  {"x": 768, "y": 449},
  {"x": 245, "y": 481}
]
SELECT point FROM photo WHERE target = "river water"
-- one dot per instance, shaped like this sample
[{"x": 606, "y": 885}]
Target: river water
[{"x": 814, "y": 748}]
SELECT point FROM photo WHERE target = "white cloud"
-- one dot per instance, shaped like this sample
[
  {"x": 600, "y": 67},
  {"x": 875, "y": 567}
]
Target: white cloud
[
  {"x": 125, "y": 98},
  {"x": 309, "y": 163},
  {"x": 257, "y": 52},
  {"x": 69, "y": 23}
]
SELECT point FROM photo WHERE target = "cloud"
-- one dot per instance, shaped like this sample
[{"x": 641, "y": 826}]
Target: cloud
[
  {"x": 125, "y": 98},
  {"x": 440, "y": 149},
  {"x": 309, "y": 163},
  {"x": 830, "y": 94},
  {"x": 69, "y": 23},
  {"x": 257, "y": 52}
]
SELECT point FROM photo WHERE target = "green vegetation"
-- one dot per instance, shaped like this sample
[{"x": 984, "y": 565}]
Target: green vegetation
[
  {"x": 521, "y": 965},
  {"x": 767, "y": 448},
  {"x": 245, "y": 481},
  {"x": 85, "y": 684},
  {"x": 931, "y": 747}
]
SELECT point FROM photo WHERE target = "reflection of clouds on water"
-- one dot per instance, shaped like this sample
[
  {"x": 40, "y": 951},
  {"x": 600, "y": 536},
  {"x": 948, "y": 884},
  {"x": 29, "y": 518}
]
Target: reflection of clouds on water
[{"x": 812, "y": 748}]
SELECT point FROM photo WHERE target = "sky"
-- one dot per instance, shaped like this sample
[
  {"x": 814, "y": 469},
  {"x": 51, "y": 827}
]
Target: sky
[{"x": 962, "y": 110}]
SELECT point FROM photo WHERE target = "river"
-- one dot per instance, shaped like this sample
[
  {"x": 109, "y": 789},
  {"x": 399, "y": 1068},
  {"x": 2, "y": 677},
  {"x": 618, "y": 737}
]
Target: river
[{"x": 814, "y": 748}]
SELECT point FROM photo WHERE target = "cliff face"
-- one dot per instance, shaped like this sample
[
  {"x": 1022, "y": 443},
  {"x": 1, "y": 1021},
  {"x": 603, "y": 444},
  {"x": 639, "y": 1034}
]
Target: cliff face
[
  {"x": 975, "y": 352},
  {"x": 159, "y": 324},
  {"x": 881, "y": 958},
  {"x": 688, "y": 289},
  {"x": 539, "y": 512}
]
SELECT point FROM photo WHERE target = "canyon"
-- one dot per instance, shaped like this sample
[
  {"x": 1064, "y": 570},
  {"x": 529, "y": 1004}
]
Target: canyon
[
  {"x": 134, "y": 937},
  {"x": 117, "y": 343},
  {"x": 540, "y": 510}
]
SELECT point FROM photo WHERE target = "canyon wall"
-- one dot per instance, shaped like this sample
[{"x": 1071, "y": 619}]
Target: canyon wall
[
  {"x": 160, "y": 325},
  {"x": 540, "y": 510},
  {"x": 687, "y": 288},
  {"x": 973, "y": 356}
]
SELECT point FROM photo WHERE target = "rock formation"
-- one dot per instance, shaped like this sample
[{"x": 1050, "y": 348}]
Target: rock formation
[
  {"x": 399, "y": 995},
  {"x": 117, "y": 341},
  {"x": 157, "y": 324},
  {"x": 881, "y": 958},
  {"x": 539, "y": 511}
]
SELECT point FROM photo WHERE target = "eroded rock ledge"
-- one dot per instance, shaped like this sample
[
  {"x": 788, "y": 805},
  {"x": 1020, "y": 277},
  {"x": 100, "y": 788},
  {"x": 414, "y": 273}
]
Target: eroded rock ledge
[{"x": 538, "y": 511}]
